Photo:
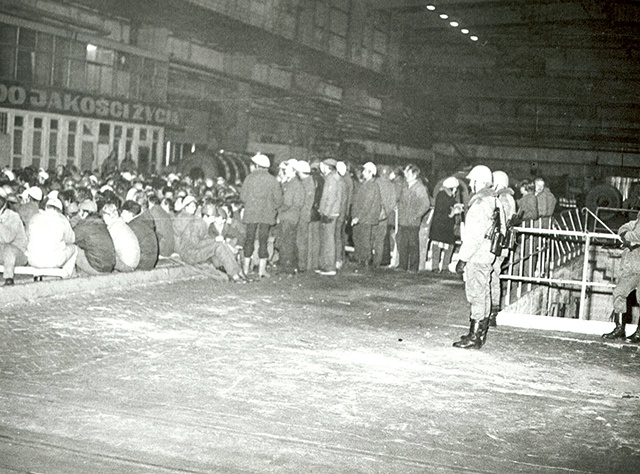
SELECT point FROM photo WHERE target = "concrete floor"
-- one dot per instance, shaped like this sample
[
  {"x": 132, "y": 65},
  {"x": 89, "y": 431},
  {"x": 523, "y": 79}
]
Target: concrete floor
[{"x": 346, "y": 374}]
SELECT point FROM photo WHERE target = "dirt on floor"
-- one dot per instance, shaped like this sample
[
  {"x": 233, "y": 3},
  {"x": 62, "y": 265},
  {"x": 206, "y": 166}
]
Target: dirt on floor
[{"x": 346, "y": 374}]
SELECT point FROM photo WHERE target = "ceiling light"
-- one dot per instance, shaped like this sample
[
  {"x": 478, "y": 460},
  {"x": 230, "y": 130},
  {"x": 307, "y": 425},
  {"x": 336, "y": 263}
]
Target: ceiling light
[
  {"x": 464, "y": 31},
  {"x": 430, "y": 8},
  {"x": 473, "y": 38},
  {"x": 455, "y": 24},
  {"x": 444, "y": 16}
]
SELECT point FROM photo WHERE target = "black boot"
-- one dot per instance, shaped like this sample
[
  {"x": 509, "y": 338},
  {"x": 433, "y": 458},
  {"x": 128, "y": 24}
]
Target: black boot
[
  {"x": 635, "y": 337},
  {"x": 484, "y": 329},
  {"x": 473, "y": 342},
  {"x": 492, "y": 316},
  {"x": 618, "y": 331},
  {"x": 470, "y": 333}
]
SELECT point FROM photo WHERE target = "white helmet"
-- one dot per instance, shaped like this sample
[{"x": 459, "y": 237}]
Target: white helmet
[
  {"x": 261, "y": 160},
  {"x": 500, "y": 179},
  {"x": 451, "y": 182},
  {"x": 480, "y": 173}
]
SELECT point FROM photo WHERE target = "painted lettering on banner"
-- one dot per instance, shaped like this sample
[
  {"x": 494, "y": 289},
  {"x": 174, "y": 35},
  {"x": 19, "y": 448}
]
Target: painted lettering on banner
[{"x": 70, "y": 103}]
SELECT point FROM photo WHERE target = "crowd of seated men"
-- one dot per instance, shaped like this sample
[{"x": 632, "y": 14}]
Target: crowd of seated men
[{"x": 90, "y": 224}]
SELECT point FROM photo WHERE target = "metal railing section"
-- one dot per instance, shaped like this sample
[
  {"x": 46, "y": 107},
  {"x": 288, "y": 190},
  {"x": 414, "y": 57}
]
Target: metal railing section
[{"x": 547, "y": 244}]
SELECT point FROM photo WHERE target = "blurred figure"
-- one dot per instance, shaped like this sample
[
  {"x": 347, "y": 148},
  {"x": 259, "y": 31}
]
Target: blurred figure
[
  {"x": 329, "y": 210},
  {"x": 508, "y": 208},
  {"x": 124, "y": 239},
  {"x": 289, "y": 217},
  {"x": 262, "y": 196},
  {"x": 545, "y": 199},
  {"x": 443, "y": 239},
  {"x": 163, "y": 219},
  {"x": 365, "y": 215},
  {"x": 194, "y": 245},
  {"x": 382, "y": 232},
  {"x": 13, "y": 240},
  {"x": 528, "y": 204},
  {"x": 345, "y": 212},
  {"x": 628, "y": 280},
  {"x": 413, "y": 204},
  {"x": 302, "y": 235},
  {"x": 30, "y": 205},
  {"x": 143, "y": 229},
  {"x": 50, "y": 238},
  {"x": 96, "y": 252},
  {"x": 313, "y": 256}
]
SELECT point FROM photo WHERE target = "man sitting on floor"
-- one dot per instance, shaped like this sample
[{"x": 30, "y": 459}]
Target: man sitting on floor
[
  {"x": 13, "y": 241},
  {"x": 124, "y": 239},
  {"x": 51, "y": 238},
  {"x": 195, "y": 246},
  {"x": 96, "y": 252},
  {"x": 147, "y": 238}
]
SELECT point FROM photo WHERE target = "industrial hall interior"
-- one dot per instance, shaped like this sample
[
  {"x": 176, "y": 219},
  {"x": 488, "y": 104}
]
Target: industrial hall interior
[{"x": 350, "y": 236}]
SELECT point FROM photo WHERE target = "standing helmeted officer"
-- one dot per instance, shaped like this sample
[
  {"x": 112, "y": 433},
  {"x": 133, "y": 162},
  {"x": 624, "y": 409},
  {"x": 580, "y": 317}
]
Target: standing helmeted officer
[
  {"x": 504, "y": 194},
  {"x": 627, "y": 281},
  {"x": 475, "y": 255}
]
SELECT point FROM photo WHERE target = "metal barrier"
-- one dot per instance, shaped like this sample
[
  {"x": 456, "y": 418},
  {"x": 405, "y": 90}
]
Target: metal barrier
[{"x": 546, "y": 245}]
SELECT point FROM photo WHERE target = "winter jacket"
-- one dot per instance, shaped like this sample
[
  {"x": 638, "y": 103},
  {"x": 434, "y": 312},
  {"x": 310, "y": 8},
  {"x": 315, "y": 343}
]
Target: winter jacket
[
  {"x": 309, "y": 190},
  {"x": 505, "y": 195},
  {"x": 413, "y": 204},
  {"x": 190, "y": 231},
  {"x": 93, "y": 237},
  {"x": 388, "y": 196},
  {"x": 148, "y": 241},
  {"x": 125, "y": 242},
  {"x": 12, "y": 230},
  {"x": 347, "y": 195},
  {"x": 546, "y": 203},
  {"x": 367, "y": 203},
  {"x": 630, "y": 261},
  {"x": 262, "y": 196},
  {"x": 476, "y": 244},
  {"x": 48, "y": 235},
  {"x": 528, "y": 204},
  {"x": 292, "y": 201},
  {"x": 332, "y": 193},
  {"x": 27, "y": 210},
  {"x": 164, "y": 230},
  {"x": 443, "y": 226}
]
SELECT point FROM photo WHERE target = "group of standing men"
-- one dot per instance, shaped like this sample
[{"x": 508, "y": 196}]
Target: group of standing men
[{"x": 311, "y": 207}]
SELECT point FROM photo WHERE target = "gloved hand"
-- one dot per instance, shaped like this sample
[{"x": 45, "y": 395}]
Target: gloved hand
[
  {"x": 624, "y": 243},
  {"x": 460, "y": 267}
]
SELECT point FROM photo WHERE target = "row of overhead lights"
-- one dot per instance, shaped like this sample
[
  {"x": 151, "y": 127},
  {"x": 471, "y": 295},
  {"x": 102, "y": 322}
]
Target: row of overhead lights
[{"x": 453, "y": 24}]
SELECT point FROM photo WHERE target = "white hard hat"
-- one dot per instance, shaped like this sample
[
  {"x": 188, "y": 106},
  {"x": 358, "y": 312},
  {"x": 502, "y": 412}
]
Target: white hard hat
[
  {"x": 451, "y": 182},
  {"x": 371, "y": 167},
  {"x": 480, "y": 173},
  {"x": 341, "y": 168},
  {"x": 34, "y": 192},
  {"x": 500, "y": 179},
  {"x": 261, "y": 160},
  {"x": 303, "y": 167},
  {"x": 55, "y": 202}
]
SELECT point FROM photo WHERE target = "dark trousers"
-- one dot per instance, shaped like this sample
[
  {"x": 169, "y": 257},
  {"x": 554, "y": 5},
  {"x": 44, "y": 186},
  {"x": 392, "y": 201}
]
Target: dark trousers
[
  {"x": 363, "y": 243},
  {"x": 408, "y": 248},
  {"x": 286, "y": 244},
  {"x": 302, "y": 243},
  {"x": 328, "y": 245},
  {"x": 250, "y": 239}
]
